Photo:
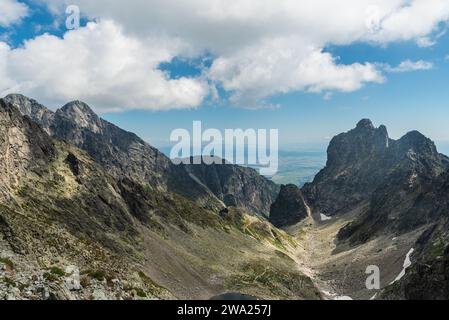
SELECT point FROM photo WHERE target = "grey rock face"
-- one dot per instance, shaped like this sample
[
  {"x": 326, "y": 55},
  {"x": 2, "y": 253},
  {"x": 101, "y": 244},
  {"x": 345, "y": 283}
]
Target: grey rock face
[
  {"x": 121, "y": 152},
  {"x": 365, "y": 158},
  {"x": 124, "y": 154},
  {"x": 237, "y": 186},
  {"x": 72, "y": 279},
  {"x": 37, "y": 112},
  {"x": 23, "y": 146},
  {"x": 289, "y": 208},
  {"x": 394, "y": 203},
  {"x": 427, "y": 278}
]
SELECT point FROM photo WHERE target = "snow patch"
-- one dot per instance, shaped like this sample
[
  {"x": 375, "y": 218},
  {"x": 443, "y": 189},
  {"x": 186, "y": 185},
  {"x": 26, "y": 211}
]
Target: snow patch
[
  {"x": 333, "y": 296},
  {"x": 324, "y": 217},
  {"x": 407, "y": 264},
  {"x": 343, "y": 298}
]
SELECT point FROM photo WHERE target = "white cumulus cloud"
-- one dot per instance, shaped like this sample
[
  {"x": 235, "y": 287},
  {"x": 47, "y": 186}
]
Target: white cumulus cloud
[
  {"x": 277, "y": 66},
  {"x": 100, "y": 65},
  {"x": 259, "y": 48},
  {"x": 11, "y": 11},
  {"x": 408, "y": 65}
]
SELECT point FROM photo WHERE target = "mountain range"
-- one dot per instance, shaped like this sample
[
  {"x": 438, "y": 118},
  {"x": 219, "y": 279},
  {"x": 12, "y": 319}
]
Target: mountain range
[{"x": 90, "y": 211}]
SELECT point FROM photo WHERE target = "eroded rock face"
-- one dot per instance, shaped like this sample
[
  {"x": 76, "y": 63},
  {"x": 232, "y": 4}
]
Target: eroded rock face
[
  {"x": 126, "y": 155},
  {"x": 396, "y": 205},
  {"x": 23, "y": 146},
  {"x": 237, "y": 186},
  {"x": 121, "y": 152},
  {"x": 72, "y": 278},
  {"x": 364, "y": 159},
  {"x": 37, "y": 112},
  {"x": 428, "y": 277},
  {"x": 289, "y": 208}
]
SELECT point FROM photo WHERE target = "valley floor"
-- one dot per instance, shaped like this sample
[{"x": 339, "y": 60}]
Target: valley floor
[{"x": 339, "y": 272}]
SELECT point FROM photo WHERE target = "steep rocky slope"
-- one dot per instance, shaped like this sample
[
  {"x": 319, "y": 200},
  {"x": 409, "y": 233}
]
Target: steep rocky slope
[
  {"x": 428, "y": 276},
  {"x": 289, "y": 208},
  {"x": 394, "y": 205},
  {"x": 125, "y": 154},
  {"x": 386, "y": 203},
  {"x": 71, "y": 230},
  {"x": 121, "y": 153},
  {"x": 364, "y": 160},
  {"x": 21, "y": 149},
  {"x": 237, "y": 186}
]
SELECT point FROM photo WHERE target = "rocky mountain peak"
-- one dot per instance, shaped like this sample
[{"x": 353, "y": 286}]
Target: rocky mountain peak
[
  {"x": 77, "y": 107},
  {"x": 417, "y": 142},
  {"x": 358, "y": 145},
  {"x": 31, "y": 108},
  {"x": 365, "y": 124},
  {"x": 124, "y": 154},
  {"x": 23, "y": 145},
  {"x": 81, "y": 114},
  {"x": 360, "y": 160},
  {"x": 19, "y": 100}
]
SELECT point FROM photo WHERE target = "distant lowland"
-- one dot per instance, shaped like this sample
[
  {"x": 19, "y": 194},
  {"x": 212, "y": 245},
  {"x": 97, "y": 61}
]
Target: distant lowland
[
  {"x": 299, "y": 167},
  {"x": 295, "y": 167}
]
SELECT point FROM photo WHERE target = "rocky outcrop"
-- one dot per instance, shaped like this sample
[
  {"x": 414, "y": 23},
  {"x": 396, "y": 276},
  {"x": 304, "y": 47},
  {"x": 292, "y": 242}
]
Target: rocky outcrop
[
  {"x": 122, "y": 153},
  {"x": 364, "y": 160},
  {"x": 23, "y": 147},
  {"x": 394, "y": 203},
  {"x": 126, "y": 155},
  {"x": 428, "y": 277},
  {"x": 237, "y": 186},
  {"x": 37, "y": 112},
  {"x": 289, "y": 207}
]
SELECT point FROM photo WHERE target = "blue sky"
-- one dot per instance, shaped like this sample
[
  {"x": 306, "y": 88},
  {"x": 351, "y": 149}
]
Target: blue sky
[
  {"x": 407, "y": 101},
  {"x": 403, "y": 101}
]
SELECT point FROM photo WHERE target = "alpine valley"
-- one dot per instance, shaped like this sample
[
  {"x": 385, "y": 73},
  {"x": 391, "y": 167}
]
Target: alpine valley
[{"x": 90, "y": 211}]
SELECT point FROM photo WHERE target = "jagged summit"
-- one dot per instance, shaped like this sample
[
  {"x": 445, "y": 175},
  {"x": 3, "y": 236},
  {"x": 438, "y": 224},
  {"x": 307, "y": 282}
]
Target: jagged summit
[
  {"x": 24, "y": 146},
  {"x": 10, "y": 98},
  {"x": 358, "y": 144},
  {"x": 365, "y": 123},
  {"x": 81, "y": 114},
  {"x": 31, "y": 108},
  {"x": 27, "y": 106},
  {"x": 17, "y": 97},
  {"x": 361, "y": 159},
  {"x": 124, "y": 154},
  {"x": 418, "y": 142},
  {"x": 78, "y": 106}
]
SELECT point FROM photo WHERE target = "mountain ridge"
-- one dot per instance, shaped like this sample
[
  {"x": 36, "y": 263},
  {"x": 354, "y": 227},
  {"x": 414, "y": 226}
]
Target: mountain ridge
[
  {"x": 79, "y": 192},
  {"x": 358, "y": 162},
  {"x": 69, "y": 229},
  {"x": 125, "y": 154}
]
